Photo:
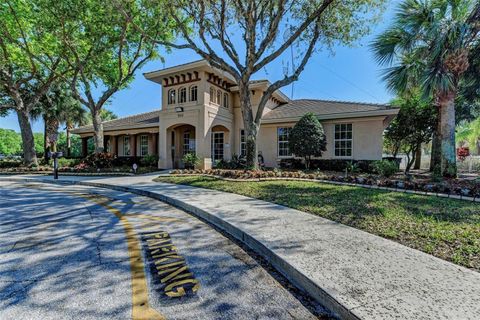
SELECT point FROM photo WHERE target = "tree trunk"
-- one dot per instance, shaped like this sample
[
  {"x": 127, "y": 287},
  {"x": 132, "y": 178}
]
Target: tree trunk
[
  {"x": 418, "y": 157},
  {"x": 46, "y": 148},
  {"x": 98, "y": 130},
  {"x": 69, "y": 143},
  {"x": 410, "y": 161},
  {"x": 435, "y": 156},
  {"x": 28, "y": 143},
  {"x": 250, "y": 127},
  {"x": 447, "y": 135}
]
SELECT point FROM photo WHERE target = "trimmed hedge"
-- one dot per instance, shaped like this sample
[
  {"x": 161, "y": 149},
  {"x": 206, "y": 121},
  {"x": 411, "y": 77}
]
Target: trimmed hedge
[
  {"x": 327, "y": 164},
  {"x": 10, "y": 163},
  {"x": 456, "y": 187}
]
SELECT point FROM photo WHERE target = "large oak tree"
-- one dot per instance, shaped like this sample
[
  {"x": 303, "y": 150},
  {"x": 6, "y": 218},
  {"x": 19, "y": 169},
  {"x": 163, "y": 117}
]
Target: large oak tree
[
  {"x": 105, "y": 50},
  {"x": 244, "y": 37},
  {"x": 30, "y": 61}
]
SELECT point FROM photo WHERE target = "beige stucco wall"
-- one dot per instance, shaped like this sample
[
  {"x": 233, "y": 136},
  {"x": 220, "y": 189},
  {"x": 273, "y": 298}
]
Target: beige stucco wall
[
  {"x": 367, "y": 139},
  {"x": 205, "y": 115},
  {"x": 121, "y": 144}
]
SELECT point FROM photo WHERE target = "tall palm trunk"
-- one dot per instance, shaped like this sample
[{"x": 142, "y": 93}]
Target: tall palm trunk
[
  {"x": 28, "y": 143},
  {"x": 51, "y": 132},
  {"x": 46, "y": 147},
  {"x": 435, "y": 157},
  {"x": 447, "y": 134}
]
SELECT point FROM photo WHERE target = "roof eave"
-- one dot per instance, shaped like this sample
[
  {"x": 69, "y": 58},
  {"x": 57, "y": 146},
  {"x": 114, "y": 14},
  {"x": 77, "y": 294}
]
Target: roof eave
[
  {"x": 157, "y": 76},
  {"x": 124, "y": 127},
  {"x": 361, "y": 114}
]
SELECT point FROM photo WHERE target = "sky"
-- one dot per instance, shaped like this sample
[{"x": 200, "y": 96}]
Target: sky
[{"x": 349, "y": 74}]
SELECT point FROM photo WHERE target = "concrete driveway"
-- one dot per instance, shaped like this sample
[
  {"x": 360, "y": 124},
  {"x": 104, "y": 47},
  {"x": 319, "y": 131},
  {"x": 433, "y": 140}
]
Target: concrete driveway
[{"x": 75, "y": 252}]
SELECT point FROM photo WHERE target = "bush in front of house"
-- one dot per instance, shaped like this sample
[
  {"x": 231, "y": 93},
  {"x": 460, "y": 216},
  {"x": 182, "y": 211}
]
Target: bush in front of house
[
  {"x": 123, "y": 161},
  {"x": 385, "y": 168},
  {"x": 70, "y": 163},
  {"x": 234, "y": 163},
  {"x": 100, "y": 160},
  {"x": 291, "y": 163},
  {"x": 190, "y": 160},
  {"x": 150, "y": 160},
  {"x": 307, "y": 139},
  {"x": 338, "y": 165},
  {"x": 10, "y": 163}
]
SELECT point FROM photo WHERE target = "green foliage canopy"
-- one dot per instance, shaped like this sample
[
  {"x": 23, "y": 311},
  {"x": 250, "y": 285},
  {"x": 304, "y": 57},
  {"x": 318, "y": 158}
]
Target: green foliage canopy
[
  {"x": 10, "y": 142},
  {"x": 307, "y": 139},
  {"x": 413, "y": 125}
]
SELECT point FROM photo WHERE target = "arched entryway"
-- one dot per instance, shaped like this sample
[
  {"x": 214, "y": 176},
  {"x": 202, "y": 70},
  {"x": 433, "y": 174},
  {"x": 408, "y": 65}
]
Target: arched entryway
[{"x": 180, "y": 141}]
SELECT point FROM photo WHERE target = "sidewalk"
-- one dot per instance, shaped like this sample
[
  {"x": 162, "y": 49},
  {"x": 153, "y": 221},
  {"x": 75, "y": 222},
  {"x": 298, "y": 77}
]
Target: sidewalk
[{"x": 354, "y": 273}]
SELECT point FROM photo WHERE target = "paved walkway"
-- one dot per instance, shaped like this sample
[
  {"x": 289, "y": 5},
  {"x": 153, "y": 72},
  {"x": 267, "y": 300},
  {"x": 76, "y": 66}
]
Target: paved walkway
[{"x": 354, "y": 273}]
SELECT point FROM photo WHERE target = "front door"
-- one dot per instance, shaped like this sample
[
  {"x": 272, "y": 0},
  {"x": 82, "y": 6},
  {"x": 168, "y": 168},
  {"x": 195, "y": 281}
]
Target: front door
[{"x": 217, "y": 146}]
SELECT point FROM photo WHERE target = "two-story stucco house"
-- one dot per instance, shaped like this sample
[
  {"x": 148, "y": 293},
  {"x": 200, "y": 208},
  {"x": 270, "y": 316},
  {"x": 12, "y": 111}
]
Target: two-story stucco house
[{"x": 201, "y": 113}]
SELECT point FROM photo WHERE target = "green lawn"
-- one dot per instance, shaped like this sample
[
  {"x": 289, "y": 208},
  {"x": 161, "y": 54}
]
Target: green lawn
[{"x": 446, "y": 228}]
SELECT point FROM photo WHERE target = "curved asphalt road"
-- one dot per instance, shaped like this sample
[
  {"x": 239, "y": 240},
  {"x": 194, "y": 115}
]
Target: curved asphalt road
[{"x": 74, "y": 252}]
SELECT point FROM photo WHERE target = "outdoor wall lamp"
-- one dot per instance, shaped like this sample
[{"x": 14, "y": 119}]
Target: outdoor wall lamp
[{"x": 178, "y": 109}]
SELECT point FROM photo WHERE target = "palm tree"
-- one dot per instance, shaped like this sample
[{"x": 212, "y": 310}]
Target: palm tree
[
  {"x": 72, "y": 115},
  {"x": 430, "y": 43},
  {"x": 105, "y": 115},
  {"x": 59, "y": 106}
]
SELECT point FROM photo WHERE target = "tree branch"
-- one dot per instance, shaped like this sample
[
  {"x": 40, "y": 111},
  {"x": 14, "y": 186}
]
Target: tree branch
[
  {"x": 312, "y": 18},
  {"x": 288, "y": 79}
]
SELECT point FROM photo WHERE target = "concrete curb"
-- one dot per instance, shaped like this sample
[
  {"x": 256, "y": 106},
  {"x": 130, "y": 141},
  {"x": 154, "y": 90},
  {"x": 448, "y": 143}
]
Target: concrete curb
[
  {"x": 299, "y": 279},
  {"x": 351, "y": 184}
]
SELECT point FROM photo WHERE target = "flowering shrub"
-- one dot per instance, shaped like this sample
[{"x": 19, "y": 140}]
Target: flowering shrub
[
  {"x": 99, "y": 160},
  {"x": 81, "y": 167},
  {"x": 463, "y": 153}
]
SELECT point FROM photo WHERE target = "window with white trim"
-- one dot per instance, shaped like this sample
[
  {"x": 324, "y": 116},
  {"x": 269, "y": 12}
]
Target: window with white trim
[
  {"x": 219, "y": 97},
  {"x": 343, "y": 138},
  {"x": 217, "y": 146},
  {"x": 188, "y": 143},
  {"x": 225, "y": 100},
  {"x": 212, "y": 94},
  {"x": 182, "y": 95},
  {"x": 193, "y": 93},
  {"x": 243, "y": 143},
  {"x": 171, "y": 96},
  {"x": 126, "y": 145},
  {"x": 143, "y": 145},
  {"x": 282, "y": 138}
]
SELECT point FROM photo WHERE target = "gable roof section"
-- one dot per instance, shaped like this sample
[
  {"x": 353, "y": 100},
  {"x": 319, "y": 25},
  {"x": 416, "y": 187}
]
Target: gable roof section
[
  {"x": 141, "y": 120},
  {"x": 326, "y": 109}
]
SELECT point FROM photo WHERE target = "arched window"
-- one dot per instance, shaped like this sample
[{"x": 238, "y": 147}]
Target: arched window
[
  {"x": 219, "y": 97},
  {"x": 193, "y": 93},
  {"x": 182, "y": 95},
  {"x": 212, "y": 94},
  {"x": 225, "y": 100},
  {"x": 171, "y": 96}
]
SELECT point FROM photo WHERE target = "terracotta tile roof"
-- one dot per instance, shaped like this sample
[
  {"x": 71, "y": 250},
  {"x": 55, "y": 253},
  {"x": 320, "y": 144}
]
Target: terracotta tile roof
[
  {"x": 147, "y": 119},
  {"x": 297, "y": 108}
]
